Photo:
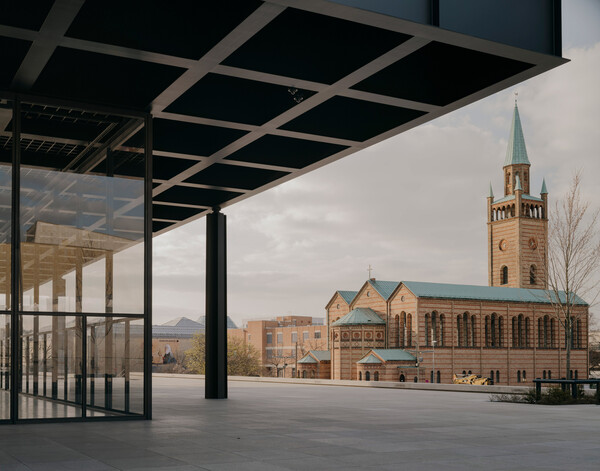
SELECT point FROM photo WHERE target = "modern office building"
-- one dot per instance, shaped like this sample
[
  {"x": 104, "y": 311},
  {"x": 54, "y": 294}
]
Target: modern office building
[{"x": 123, "y": 120}]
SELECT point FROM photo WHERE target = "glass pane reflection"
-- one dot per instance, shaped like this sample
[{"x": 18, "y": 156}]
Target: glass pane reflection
[
  {"x": 50, "y": 383},
  {"x": 79, "y": 234},
  {"x": 82, "y": 211},
  {"x": 115, "y": 366},
  {"x": 5, "y": 366}
]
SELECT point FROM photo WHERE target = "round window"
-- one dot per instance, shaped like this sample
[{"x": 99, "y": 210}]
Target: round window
[{"x": 368, "y": 294}]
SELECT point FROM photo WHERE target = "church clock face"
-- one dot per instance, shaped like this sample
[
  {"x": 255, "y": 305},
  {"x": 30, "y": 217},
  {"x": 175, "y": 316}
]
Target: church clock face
[
  {"x": 503, "y": 245},
  {"x": 533, "y": 243}
]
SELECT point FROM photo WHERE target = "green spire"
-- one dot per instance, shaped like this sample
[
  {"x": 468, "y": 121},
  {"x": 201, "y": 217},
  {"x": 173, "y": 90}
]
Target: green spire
[
  {"x": 544, "y": 190},
  {"x": 518, "y": 184},
  {"x": 516, "y": 152},
  {"x": 491, "y": 195}
]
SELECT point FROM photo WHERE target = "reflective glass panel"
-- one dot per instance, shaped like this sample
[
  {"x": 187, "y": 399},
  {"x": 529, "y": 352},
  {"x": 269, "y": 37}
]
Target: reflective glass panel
[
  {"x": 50, "y": 379},
  {"x": 6, "y": 145},
  {"x": 115, "y": 366},
  {"x": 82, "y": 212},
  {"x": 5, "y": 366}
]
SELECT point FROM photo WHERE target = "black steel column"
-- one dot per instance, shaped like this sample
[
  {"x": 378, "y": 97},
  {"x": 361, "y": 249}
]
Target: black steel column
[
  {"x": 148, "y": 269},
  {"x": 216, "y": 306},
  {"x": 15, "y": 297}
]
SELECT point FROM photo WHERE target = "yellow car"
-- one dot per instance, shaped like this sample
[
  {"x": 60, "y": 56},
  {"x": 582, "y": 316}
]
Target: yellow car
[{"x": 471, "y": 379}]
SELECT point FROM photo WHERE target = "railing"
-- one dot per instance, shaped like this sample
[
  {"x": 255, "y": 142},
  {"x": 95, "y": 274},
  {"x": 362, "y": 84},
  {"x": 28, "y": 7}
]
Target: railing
[{"x": 565, "y": 384}]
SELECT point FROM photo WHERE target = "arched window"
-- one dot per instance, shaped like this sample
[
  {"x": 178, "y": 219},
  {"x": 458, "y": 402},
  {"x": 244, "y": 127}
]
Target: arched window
[
  {"x": 553, "y": 333},
  {"x": 402, "y": 378},
  {"x": 473, "y": 332},
  {"x": 500, "y": 331},
  {"x": 544, "y": 374},
  {"x": 492, "y": 375},
  {"x": 367, "y": 376},
  {"x": 312, "y": 374},
  {"x": 549, "y": 374},
  {"x": 304, "y": 374},
  {"x": 427, "y": 330},
  {"x": 431, "y": 377},
  {"x": 521, "y": 331},
  {"x": 403, "y": 328},
  {"x": 518, "y": 376},
  {"x": 409, "y": 329},
  {"x": 376, "y": 376},
  {"x": 576, "y": 375},
  {"x": 578, "y": 333},
  {"x": 524, "y": 377},
  {"x": 504, "y": 275},
  {"x": 470, "y": 372},
  {"x": 527, "y": 331},
  {"x": 458, "y": 331},
  {"x": 493, "y": 325},
  {"x": 487, "y": 331},
  {"x": 546, "y": 338},
  {"x": 360, "y": 375},
  {"x": 439, "y": 376},
  {"x": 397, "y": 330},
  {"x": 466, "y": 328},
  {"x": 532, "y": 279},
  {"x": 464, "y": 372},
  {"x": 442, "y": 329},
  {"x": 540, "y": 333},
  {"x": 434, "y": 328},
  {"x": 497, "y": 376},
  {"x": 515, "y": 337}
]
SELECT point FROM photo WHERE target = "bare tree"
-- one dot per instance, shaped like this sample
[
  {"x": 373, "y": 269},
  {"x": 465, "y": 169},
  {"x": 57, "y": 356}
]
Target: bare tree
[
  {"x": 277, "y": 361},
  {"x": 573, "y": 261}
]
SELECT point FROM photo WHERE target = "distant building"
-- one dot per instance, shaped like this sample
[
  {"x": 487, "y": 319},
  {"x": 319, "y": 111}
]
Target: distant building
[
  {"x": 507, "y": 331},
  {"x": 171, "y": 339},
  {"x": 283, "y": 341},
  {"x": 230, "y": 323}
]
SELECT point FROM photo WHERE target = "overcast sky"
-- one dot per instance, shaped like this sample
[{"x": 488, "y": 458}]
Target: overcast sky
[{"x": 413, "y": 206}]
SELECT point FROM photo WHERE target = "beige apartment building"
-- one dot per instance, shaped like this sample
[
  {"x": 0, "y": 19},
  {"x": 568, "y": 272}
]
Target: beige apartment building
[
  {"x": 282, "y": 342},
  {"x": 507, "y": 331}
]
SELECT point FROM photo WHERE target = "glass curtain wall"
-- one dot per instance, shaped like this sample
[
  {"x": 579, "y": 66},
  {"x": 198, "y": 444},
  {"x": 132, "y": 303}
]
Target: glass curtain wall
[
  {"x": 6, "y": 148},
  {"x": 81, "y": 263}
]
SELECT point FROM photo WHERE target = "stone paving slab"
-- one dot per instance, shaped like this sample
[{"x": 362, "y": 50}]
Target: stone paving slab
[{"x": 287, "y": 426}]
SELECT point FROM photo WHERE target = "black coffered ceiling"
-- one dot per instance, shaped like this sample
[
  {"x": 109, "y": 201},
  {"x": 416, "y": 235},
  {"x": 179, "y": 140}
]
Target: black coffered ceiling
[{"x": 244, "y": 93}]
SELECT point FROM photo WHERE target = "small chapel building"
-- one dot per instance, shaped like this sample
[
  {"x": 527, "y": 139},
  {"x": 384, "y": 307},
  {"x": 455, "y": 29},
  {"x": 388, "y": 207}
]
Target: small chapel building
[{"x": 427, "y": 332}]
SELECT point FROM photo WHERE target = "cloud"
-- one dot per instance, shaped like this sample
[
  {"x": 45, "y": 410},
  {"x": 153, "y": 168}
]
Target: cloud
[{"x": 412, "y": 206}]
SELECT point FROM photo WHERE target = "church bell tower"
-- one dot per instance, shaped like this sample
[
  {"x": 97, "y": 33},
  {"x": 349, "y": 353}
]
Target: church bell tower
[{"x": 517, "y": 222}]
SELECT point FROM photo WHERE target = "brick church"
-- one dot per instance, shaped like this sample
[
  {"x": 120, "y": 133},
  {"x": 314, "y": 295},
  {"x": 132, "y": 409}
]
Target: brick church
[{"x": 418, "y": 331}]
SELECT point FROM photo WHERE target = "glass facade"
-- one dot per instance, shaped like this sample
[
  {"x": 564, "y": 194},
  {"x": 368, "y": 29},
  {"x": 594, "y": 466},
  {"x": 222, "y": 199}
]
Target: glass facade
[{"x": 75, "y": 255}]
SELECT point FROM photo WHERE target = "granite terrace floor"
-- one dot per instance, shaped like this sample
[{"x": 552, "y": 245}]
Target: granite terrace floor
[{"x": 270, "y": 426}]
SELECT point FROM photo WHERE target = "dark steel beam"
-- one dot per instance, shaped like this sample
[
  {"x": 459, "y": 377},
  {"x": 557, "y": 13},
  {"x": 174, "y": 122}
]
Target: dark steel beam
[
  {"x": 59, "y": 18},
  {"x": 257, "y": 20},
  {"x": 126, "y": 131},
  {"x": 349, "y": 80},
  {"x": 216, "y": 306}
]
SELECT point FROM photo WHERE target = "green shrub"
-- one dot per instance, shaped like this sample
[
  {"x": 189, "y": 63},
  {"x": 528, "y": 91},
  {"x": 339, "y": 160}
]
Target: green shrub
[{"x": 552, "y": 396}]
